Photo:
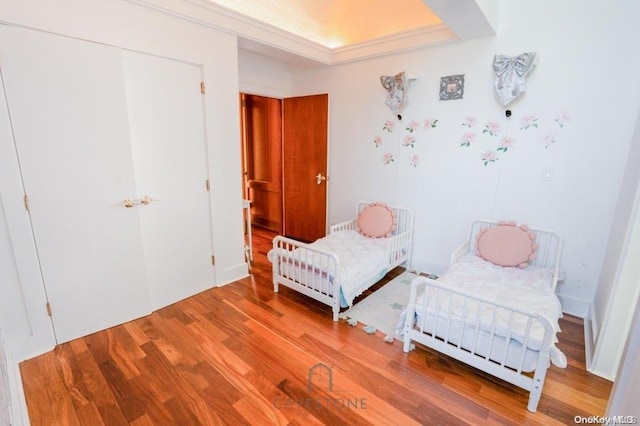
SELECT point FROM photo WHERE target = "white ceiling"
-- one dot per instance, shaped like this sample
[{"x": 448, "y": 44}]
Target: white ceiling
[
  {"x": 338, "y": 23},
  {"x": 311, "y": 33}
]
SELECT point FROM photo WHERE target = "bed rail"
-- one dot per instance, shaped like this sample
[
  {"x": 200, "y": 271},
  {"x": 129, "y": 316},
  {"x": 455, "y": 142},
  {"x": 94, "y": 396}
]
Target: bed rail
[
  {"x": 306, "y": 269},
  {"x": 480, "y": 333}
]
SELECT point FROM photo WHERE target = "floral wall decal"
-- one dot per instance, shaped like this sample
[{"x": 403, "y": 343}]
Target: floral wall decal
[
  {"x": 469, "y": 122},
  {"x": 430, "y": 123},
  {"x": 549, "y": 139},
  {"x": 505, "y": 143},
  {"x": 409, "y": 140},
  {"x": 412, "y": 126},
  {"x": 489, "y": 157},
  {"x": 562, "y": 118},
  {"x": 492, "y": 128},
  {"x": 530, "y": 120},
  {"x": 500, "y": 136},
  {"x": 467, "y": 138}
]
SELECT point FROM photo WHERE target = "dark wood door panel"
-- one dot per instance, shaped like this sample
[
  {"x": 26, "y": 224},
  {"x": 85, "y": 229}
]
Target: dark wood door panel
[{"x": 305, "y": 122}]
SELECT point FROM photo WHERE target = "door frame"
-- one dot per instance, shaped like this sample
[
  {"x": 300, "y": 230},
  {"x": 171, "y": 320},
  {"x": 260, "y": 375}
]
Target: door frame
[{"x": 282, "y": 97}]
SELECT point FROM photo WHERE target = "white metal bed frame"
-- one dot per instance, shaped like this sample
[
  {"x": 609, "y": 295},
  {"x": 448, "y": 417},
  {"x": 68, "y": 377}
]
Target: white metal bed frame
[
  {"x": 314, "y": 271},
  {"x": 432, "y": 333}
]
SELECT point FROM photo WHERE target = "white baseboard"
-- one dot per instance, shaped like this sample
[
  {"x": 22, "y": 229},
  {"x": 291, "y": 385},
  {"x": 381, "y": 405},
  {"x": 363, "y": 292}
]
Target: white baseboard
[
  {"x": 589, "y": 341},
  {"x": 428, "y": 266},
  {"x": 231, "y": 274},
  {"x": 590, "y": 338},
  {"x": 574, "y": 306}
]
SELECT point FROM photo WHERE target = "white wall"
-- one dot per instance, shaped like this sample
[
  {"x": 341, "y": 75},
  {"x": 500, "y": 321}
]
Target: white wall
[
  {"x": 261, "y": 75},
  {"x": 580, "y": 47}
]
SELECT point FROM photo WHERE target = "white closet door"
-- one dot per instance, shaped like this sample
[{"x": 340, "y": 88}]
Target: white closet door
[
  {"x": 69, "y": 114},
  {"x": 167, "y": 131}
]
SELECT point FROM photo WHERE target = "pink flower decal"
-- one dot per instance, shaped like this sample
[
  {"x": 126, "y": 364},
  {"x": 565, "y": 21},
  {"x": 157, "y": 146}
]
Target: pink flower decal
[
  {"x": 377, "y": 141},
  {"x": 530, "y": 120},
  {"x": 549, "y": 140},
  {"x": 562, "y": 118},
  {"x": 489, "y": 157},
  {"x": 505, "y": 144},
  {"x": 412, "y": 126},
  {"x": 492, "y": 127},
  {"x": 414, "y": 160},
  {"x": 467, "y": 139},
  {"x": 430, "y": 123},
  {"x": 408, "y": 140},
  {"x": 388, "y": 126},
  {"x": 469, "y": 122},
  {"x": 387, "y": 158}
]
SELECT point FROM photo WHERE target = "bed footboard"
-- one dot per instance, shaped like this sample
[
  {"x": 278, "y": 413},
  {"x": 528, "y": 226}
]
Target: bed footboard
[
  {"x": 494, "y": 338},
  {"x": 306, "y": 269}
]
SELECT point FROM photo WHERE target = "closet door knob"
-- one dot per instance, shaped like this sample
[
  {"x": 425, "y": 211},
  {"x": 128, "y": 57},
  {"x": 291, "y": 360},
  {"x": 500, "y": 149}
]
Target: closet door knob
[
  {"x": 320, "y": 178},
  {"x": 145, "y": 200},
  {"x": 128, "y": 202}
]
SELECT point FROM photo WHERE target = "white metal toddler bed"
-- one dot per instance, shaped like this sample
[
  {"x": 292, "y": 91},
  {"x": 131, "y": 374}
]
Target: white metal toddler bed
[
  {"x": 501, "y": 320},
  {"x": 337, "y": 268}
]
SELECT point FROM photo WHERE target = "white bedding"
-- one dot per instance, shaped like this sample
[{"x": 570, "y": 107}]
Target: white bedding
[
  {"x": 362, "y": 259},
  {"x": 527, "y": 289}
]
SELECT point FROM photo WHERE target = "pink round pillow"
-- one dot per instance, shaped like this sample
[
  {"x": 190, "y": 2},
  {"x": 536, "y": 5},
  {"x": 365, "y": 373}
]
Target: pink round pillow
[
  {"x": 377, "y": 220},
  {"x": 507, "y": 245}
]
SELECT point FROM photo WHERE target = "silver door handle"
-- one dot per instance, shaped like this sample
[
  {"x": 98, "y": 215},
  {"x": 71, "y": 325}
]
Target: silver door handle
[{"x": 320, "y": 178}]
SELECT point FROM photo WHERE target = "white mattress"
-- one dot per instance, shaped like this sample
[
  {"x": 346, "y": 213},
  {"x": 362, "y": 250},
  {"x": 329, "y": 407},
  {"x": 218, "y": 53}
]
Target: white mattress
[
  {"x": 528, "y": 289},
  {"x": 362, "y": 260}
]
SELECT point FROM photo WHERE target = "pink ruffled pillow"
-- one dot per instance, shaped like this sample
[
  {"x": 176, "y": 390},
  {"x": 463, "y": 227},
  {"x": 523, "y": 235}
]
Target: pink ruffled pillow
[
  {"x": 507, "y": 244},
  {"x": 377, "y": 220}
]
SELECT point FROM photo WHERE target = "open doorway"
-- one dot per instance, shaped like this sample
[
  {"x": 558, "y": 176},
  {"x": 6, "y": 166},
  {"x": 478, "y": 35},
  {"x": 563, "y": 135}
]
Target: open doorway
[
  {"x": 261, "y": 121},
  {"x": 284, "y": 163}
]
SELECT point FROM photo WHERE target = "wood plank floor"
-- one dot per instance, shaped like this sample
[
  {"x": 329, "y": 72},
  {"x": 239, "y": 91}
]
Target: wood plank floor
[{"x": 240, "y": 354}]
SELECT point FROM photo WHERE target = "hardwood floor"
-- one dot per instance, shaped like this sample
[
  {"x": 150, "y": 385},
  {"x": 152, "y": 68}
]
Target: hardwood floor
[{"x": 240, "y": 354}]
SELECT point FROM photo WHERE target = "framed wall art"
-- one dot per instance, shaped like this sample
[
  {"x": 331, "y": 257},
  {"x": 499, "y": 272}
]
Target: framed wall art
[{"x": 451, "y": 87}]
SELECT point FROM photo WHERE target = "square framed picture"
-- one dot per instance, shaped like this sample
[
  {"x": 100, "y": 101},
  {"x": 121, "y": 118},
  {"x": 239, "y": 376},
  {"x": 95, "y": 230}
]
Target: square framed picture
[{"x": 451, "y": 87}]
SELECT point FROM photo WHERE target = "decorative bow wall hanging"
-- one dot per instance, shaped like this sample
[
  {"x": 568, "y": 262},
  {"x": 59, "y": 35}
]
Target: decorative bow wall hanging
[
  {"x": 509, "y": 83},
  {"x": 396, "y": 86}
]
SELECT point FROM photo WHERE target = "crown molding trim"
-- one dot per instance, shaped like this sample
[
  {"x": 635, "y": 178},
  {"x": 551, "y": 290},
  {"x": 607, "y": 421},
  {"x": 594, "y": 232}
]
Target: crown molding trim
[
  {"x": 222, "y": 19},
  {"x": 406, "y": 40},
  {"x": 252, "y": 32}
]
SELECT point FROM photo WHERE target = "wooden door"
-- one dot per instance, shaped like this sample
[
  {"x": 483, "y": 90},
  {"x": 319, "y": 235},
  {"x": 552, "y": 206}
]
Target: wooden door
[
  {"x": 305, "y": 166},
  {"x": 69, "y": 116},
  {"x": 167, "y": 132},
  {"x": 262, "y": 148}
]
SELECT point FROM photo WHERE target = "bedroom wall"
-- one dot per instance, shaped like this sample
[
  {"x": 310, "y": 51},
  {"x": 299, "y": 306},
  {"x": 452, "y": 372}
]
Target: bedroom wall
[
  {"x": 261, "y": 75},
  {"x": 570, "y": 134}
]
